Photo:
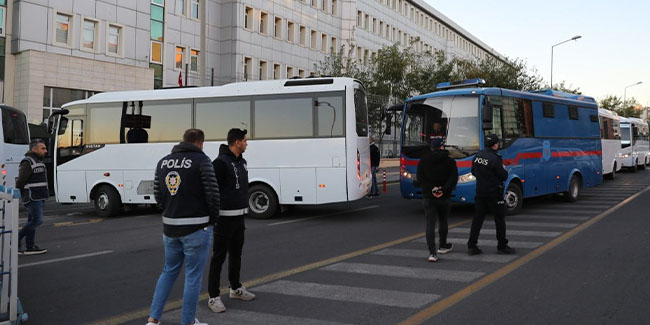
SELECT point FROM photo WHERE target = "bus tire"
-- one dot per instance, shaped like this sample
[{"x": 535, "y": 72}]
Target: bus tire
[
  {"x": 107, "y": 201},
  {"x": 642, "y": 166},
  {"x": 611, "y": 175},
  {"x": 514, "y": 199},
  {"x": 575, "y": 187},
  {"x": 262, "y": 202}
]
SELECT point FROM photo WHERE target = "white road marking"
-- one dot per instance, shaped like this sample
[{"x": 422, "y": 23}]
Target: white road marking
[
  {"x": 64, "y": 259},
  {"x": 404, "y": 271},
  {"x": 322, "y": 216}
]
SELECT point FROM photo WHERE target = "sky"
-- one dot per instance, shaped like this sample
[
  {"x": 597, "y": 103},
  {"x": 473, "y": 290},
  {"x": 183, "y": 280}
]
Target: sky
[{"x": 613, "y": 53}]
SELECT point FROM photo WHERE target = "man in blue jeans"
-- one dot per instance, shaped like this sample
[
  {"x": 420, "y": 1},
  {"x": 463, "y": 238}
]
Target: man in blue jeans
[
  {"x": 32, "y": 182},
  {"x": 186, "y": 187},
  {"x": 375, "y": 156}
]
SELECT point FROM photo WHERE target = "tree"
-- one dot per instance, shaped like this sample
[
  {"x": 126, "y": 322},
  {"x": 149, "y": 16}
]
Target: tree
[{"x": 610, "y": 102}]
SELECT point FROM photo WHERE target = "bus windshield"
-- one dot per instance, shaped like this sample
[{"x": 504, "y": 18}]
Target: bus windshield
[
  {"x": 455, "y": 119},
  {"x": 625, "y": 135},
  {"x": 14, "y": 126}
]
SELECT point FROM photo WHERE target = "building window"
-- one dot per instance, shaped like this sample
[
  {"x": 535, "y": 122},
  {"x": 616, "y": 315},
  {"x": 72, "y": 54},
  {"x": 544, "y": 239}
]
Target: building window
[
  {"x": 366, "y": 22},
  {"x": 335, "y": 8},
  {"x": 263, "y": 70},
  {"x": 89, "y": 35},
  {"x": 323, "y": 5},
  {"x": 248, "y": 18},
  {"x": 63, "y": 25},
  {"x": 303, "y": 36},
  {"x": 264, "y": 23},
  {"x": 3, "y": 17},
  {"x": 179, "y": 59},
  {"x": 301, "y": 73},
  {"x": 156, "y": 52},
  {"x": 277, "y": 73},
  {"x": 157, "y": 23},
  {"x": 314, "y": 3},
  {"x": 291, "y": 32},
  {"x": 333, "y": 46},
  {"x": 194, "y": 60},
  {"x": 159, "y": 2},
  {"x": 277, "y": 30},
  {"x": 374, "y": 25},
  {"x": 195, "y": 9},
  {"x": 323, "y": 43},
  {"x": 359, "y": 19},
  {"x": 289, "y": 72},
  {"x": 248, "y": 68},
  {"x": 180, "y": 7},
  {"x": 114, "y": 40},
  {"x": 313, "y": 40}
]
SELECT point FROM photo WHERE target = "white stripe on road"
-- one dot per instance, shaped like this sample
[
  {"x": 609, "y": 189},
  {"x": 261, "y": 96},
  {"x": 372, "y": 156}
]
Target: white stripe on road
[
  {"x": 391, "y": 298},
  {"x": 325, "y": 215},
  {"x": 64, "y": 259},
  {"x": 491, "y": 242},
  {"x": 460, "y": 256},
  {"x": 235, "y": 316},
  {"x": 541, "y": 224},
  {"x": 539, "y": 216},
  {"x": 564, "y": 211},
  {"x": 404, "y": 271},
  {"x": 509, "y": 232}
]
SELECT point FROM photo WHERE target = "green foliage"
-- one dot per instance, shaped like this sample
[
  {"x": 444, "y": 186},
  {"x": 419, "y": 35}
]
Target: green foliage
[
  {"x": 610, "y": 102},
  {"x": 628, "y": 109}
]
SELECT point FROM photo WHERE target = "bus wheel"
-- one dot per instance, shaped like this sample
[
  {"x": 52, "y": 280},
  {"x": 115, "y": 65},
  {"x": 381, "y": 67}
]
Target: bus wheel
[
  {"x": 611, "y": 175},
  {"x": 514, "y": 199},
  {"x": 107, "y": 201},
  {"x": 642, "y": 166},
  {"x": 262, "y": 202},
  {"x": 574, "y": 189}
]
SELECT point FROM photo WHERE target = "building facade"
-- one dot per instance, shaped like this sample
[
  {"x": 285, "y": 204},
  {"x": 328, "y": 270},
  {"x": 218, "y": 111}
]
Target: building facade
[{"x": 56, "y": 51}]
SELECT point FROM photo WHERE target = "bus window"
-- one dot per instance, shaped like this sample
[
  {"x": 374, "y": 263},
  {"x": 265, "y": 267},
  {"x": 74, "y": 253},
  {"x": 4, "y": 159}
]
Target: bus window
[
  {"x": 331, "y": 116},
  {"x": 215, "y": 117},
  {"x": 286, "y": 117},
  {"x": 169, "y": 119},
  {"x": 14, "y": 127},
  {"x": 104, "y": 123},
  {"x": 361, "y": 112},
  {"x": 512, "y": 119}
]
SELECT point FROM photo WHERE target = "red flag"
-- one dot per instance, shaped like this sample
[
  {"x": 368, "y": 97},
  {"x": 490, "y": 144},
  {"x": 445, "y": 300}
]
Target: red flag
[{"x": 180, "y": 79}]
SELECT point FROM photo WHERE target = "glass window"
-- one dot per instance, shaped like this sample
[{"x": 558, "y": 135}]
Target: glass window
[
  {"x": 14, "y": 126},
  {"x": 248, "y": 18},
  {"x": 157, "y": 75},
  {"x": 194, "y": 60},
  {"x": 89, "y": 31},
  {"x": 156, "y": 52},
  {"x": 47, "y": 97},
  {"x": 2, "y": 20},
  {"x": 291, "y": 32},
  {"x": 180, "y": 51},
  {"x": 195, "y": 9},
  {"x": 548, "y": 110},
  {"x": 157, "y": 13},
  {"x": 169, "y": 119},
  {"x": 62, "y": 96},
  {"x": 264, "y": 23},
  {"x": 331, "y": 115},
  {"x": 361, "y": 112},
  {"x": 104, "y": 123},
  {"x": 573, "y": 113},
  {"x": 114, "y": 39},
  {"x": 158, "y": 2},
  {"x": 62, "y": 28},
  {"x": 277, "y": 31},
  {"x": 156, "y": 30},
  {"x": 215, "y": 117},
  {"x": 290, "y": 117},
  {"x": 180, "y": 7}
]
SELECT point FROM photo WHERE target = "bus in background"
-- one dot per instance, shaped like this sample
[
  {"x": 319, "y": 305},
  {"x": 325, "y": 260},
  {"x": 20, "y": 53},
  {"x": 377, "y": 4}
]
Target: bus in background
[
  {"x": 610, "y": 137},
  {"x": 550, "y": 141},
  {"x": 14, "y": 144},
  {"x": 634, "y": 143},
  {"x": 308, "y": 141}
]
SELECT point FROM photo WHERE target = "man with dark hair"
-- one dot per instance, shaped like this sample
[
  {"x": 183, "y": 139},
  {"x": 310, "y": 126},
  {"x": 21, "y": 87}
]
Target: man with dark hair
[
  {"x": 232, "y": 176},
  {"x": 32, "y": 182},
  {"x": 437, "y": 174},
  {"x": 375, "y": 157},
  {"x": 490, "y": 174},
  {"x": 186, "y": 188}
]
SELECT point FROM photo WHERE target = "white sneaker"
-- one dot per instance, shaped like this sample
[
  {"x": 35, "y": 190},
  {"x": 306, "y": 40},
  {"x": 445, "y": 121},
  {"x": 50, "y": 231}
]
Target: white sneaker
[
  {"x": 433, "y": 258},
  {"x": 196, "y": 322},
  {"x": 241, "y": 293},
  {"x": 216, "y": 305},
  {"x": 152, "y": 323}
]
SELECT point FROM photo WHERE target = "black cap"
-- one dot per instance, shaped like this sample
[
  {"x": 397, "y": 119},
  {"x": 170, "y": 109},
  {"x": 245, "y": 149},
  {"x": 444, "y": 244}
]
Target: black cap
[
  {"x": 491, "y": 139},
  {"x": 437, "y": 142}
]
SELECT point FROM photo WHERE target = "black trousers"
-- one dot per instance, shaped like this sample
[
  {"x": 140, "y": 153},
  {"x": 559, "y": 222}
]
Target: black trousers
[
  {"x": 228, "y": 239},
  {"x": 497, "y": 207},
  {"x": 436, "y": 209}
]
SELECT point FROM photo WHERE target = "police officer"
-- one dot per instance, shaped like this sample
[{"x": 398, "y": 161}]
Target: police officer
[
  {"x": 232, "y": 174},
  {"x": 186, "y": 188},
  {"x": 490, "y": 174},
  {"x": 32, "y": 181}
]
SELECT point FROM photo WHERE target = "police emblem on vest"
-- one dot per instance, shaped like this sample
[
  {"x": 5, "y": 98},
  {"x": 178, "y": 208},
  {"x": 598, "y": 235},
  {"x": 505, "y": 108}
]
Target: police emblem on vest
[
  {"x": 173, "y": 182},
  {"x": 36, "y": 188}
]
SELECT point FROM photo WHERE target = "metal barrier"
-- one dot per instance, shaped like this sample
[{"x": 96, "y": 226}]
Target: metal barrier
[{"x": 10, "y": 309}]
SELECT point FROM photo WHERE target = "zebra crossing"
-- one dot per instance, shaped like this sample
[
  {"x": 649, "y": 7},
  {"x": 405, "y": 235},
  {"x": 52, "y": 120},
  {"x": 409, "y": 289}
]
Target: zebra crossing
[{"x": 388, "y": 285}]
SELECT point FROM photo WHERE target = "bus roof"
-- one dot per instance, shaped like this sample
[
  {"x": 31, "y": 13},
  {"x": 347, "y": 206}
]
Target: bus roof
[
  {"x": 608, "y": 113},
  {"x": 546, "y": 95},
  {"x": 633, "y": 120},
  {"x": 264, "y": 87}
]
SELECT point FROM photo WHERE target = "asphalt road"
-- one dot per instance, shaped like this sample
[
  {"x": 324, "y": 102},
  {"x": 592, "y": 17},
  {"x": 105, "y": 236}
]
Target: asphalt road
[{"x": 364, "y": 262}]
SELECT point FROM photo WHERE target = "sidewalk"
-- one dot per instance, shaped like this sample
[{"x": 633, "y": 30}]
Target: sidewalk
[{"x": 388, "y": 162}]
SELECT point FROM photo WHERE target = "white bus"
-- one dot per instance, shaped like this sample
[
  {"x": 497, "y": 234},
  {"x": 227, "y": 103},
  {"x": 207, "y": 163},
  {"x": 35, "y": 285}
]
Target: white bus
[
  {"x": 14, "y": 144},
  {"x": 308, "y": 141},
  {"x": 634, "y": 143},
  {"x": 610, "y": 135}
]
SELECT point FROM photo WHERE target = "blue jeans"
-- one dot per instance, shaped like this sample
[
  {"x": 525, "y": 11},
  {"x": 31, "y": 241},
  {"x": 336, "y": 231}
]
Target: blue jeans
[
  {"x": 193, "y": 249},
  {"x": 34, "y": 219},
  {"x": 374, "y": 190}
]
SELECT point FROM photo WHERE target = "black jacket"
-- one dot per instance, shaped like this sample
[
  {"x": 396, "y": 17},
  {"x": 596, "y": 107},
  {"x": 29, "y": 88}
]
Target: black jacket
[
  {"x": 186, "y": 187},
  {"x": 437, "y": 169},
  {"x": 490, "y": 174},
  {"x": 32, "y": 178},
  {"x": 232, "y": 176},
  {"x": 374, "y": 155}
]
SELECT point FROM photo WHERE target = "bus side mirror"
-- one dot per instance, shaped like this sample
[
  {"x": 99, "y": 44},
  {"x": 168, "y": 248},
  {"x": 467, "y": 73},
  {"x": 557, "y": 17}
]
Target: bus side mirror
[
  {"x": 487, "y": 114},
  {"x": 63, "y": 125},
  {"x": 50, "y": 125}
]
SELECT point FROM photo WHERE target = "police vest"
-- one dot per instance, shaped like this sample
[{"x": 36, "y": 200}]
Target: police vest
[
  {"x": 36, "y": 188},
  {"x": 234, "y": 188}
]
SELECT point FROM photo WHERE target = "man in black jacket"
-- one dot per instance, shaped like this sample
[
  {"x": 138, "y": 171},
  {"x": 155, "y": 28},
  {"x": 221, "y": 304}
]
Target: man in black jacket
[
  {"x": 490, "y": 174},
  {"x": 32, "y": 182},
  {"x": 232, "y": 175},
  {"x": 374, "y": 164},
  {"x": 186, "y": 188},
  {"x": 437, "y": 174}
]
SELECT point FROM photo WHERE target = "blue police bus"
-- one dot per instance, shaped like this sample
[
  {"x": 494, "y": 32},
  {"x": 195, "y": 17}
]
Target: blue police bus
[{"x": 549, "y": 140}]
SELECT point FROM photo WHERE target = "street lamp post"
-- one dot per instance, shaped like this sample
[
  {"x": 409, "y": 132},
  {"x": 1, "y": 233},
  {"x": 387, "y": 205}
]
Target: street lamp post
[
  {"x": 625, "y": 93},
  {"x": 571, "y": 39}
]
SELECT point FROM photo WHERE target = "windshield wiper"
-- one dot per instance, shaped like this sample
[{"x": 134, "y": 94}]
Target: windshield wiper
[{"x": 459, "y": 148}]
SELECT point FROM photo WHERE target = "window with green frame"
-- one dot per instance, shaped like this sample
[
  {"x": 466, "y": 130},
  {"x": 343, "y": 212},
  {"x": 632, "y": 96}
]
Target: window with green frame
[{"x": 157, "y": 75}]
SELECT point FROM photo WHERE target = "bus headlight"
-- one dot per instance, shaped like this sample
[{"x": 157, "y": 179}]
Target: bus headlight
[
  {"x": 466, "y": 178},
  {"x": 407, "y": 175},
  {"x": 624, "y": 155}
]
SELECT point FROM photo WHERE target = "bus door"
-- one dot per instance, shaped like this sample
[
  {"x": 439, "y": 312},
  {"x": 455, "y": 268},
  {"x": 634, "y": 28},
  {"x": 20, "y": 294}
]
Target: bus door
[{"x": 71, "y": 178}]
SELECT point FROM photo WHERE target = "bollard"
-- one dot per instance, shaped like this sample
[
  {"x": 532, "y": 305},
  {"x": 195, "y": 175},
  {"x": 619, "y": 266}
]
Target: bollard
[{"x": 384, "y": 189}]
